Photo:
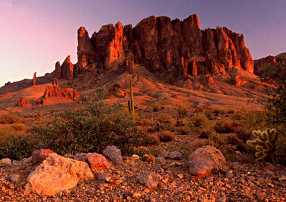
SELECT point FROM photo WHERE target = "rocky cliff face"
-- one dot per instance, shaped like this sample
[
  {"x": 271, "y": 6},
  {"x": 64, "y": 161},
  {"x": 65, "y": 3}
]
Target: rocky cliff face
[
  {"x": 64, "y": 71},
  {"x": 162, "y": 45},
  {"x": 271, "y": 67}
]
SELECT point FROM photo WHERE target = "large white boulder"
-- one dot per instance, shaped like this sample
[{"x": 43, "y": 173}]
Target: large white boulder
[{"x": 57, "y": 174}]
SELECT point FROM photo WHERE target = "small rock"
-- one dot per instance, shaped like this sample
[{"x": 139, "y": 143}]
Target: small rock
[
  {"x": 135, "y": 157},
  {"x": 41, "y": 154},
  {"x": 149, "y": 158},
  {"x": 230, "y": 174},
  {"x": 161, "y": 160},
  {"x": 175, "y": 155},
  {"x": 103, "y": 177},
  {"x": 114, "y": 154},
  {"x": 5, "y": 162},
  {"x": 260, "y": 195},
  {"x": 15, "y": 178},
  {"x": 282, "y": 178},
  {"x": 150, "y": 180},
  {"x": 80, "y": 157},
  {"x": 221, "y": 197},
  {"x": 136, "y": 195},
  {"x": 27, "y": 160},
  {"x": 181, "y": 176},
  {"x": 97, "y": 162}
]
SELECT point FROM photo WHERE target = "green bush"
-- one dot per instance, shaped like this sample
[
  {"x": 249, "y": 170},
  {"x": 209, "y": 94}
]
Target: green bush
[
  {"x": 277, "y": 105},
  {"x": 277, "y": 117},
  {"x": 15, "y": 148},
  {"x": 90, "y": 130}
]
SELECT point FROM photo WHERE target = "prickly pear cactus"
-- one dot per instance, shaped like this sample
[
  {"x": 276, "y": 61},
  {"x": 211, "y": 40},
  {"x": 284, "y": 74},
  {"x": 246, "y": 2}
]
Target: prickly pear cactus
[{"x": 264, "y": 143}]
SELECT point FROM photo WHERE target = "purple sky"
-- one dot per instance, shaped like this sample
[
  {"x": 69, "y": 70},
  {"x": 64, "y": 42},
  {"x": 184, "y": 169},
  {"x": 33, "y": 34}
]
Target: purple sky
[{"x": 37, "y": 33}]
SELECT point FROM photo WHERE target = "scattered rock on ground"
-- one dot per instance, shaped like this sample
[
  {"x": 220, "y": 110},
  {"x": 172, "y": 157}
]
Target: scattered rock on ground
[
  {"x": 114, "y": 154},
  {"x": 206, "y": 159},
  {"x": 175, "y": 155},
  {"x": 97, "y": 162},
  {"x": 150, "y": 180},
  {"x": 5, "y": 162},
  {"x": 15, "y": 178}
]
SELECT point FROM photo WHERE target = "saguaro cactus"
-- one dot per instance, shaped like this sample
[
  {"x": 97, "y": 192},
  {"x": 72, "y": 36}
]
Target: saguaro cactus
[
  {"x": 264, "y": 143},
  {"x": 131, "y": 103}
]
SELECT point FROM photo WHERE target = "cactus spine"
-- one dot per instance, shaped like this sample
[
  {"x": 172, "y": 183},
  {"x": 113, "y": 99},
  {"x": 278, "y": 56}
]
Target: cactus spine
[
  {"x": 263, "y": 143},
  {"x": 131, "y": 103}
]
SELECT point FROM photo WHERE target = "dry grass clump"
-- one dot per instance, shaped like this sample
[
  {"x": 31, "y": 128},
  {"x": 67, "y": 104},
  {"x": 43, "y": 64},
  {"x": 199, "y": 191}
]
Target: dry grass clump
[
  {"x": 226, "y": 127},
  {"x": 10, "y": 119},
  {"x": 166, "y": 136}
]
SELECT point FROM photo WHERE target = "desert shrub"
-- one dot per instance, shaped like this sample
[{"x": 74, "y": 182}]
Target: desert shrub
[
  {"x": 279, "y": 155},
  {"x": 243, "y": 133},
  {"x": 199, "y": 120},
  {"x": 148, "y": 139},
  {"x": 166, "y": 121},
  {"x": 166, "y": 136},
  {"x": 217, "y": 140},
  {"x": 19, "y": 127},
  {"x": 183, "y": 130},
  {"x": 232, "y": 75},
  {"x": 226, "y": 127},
  {"x": 182, "y": 112},
  {"x": 277, "y": 105},
  {"x": 156, "y": 107},
  {"x": 15, "y": 148},
  {"x": 276, "y": 116},
  {"x": 90, "y": 130},
  {"x": 205, "y": 134},
  {"x": 9, "y": 119}
]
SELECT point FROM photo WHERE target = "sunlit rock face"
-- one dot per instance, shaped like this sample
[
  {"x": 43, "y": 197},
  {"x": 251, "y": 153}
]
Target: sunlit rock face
[
  {"x": 162, "y": 44},
  {"x": 58, "y": 71},
  {"x": 67, "y": 69},
  {"x": 108, "y": 43},
  {"x": 85, "y": 50}
]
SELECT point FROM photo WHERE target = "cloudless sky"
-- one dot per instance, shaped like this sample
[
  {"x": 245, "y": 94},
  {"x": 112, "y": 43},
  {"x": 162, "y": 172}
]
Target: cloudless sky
[{"x": 36, "y": 33}]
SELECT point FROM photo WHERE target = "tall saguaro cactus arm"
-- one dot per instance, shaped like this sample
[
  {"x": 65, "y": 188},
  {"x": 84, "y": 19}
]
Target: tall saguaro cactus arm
[{"x": 131, "y": 103}]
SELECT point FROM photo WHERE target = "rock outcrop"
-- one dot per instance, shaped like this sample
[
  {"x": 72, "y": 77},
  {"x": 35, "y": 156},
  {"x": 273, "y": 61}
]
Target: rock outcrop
[
  {"x": 64, "y": 71},
  {"x": 85, "y": 50},
  {"x": 24, "y": 103},
  {"x": 67, "y": 69},
  {"x": 56, "y": 91},
  {"x": 108, "y": 43},
  {"x": 162, "y": 44}
]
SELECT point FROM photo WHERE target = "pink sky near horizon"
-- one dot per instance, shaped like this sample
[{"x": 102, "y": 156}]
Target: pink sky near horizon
[
  {"x": 29, "y": 44},
  {"x": 35, "y": 34}
]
